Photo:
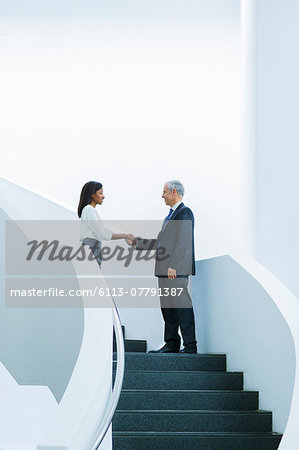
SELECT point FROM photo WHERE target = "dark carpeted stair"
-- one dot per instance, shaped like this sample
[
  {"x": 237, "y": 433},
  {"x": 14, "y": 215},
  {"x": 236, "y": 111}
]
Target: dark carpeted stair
[
  {"x": 187, "y": 402},
  {"x": 131, "y": 345},
  {"x": 194, "y": 441}
]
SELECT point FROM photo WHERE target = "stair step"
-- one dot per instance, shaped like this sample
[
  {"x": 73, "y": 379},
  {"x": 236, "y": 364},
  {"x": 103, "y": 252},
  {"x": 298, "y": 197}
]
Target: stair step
[
  {"x": 195, "y": 441},
  {"x": 163, "y": 380},
  {"x": 188, "y": 399},
  {"x": 173, "y": 361},
  {"x": 192, "y": 420},
  {"x": 133, "y": 346}
]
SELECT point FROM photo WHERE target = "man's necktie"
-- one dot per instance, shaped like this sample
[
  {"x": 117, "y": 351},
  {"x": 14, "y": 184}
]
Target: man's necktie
[{"x": 167, "y": 219}]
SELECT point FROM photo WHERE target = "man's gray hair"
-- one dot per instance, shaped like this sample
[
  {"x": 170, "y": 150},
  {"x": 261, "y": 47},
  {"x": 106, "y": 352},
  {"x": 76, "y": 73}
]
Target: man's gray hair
[{"x": 176, "y": 184}]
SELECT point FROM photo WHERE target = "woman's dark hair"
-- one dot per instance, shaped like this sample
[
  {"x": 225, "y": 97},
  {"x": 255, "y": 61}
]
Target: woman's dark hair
[{"x": 89, "y": 188}]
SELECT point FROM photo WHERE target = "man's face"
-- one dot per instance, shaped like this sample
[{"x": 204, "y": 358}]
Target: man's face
[{"x": 168, "y": 195}]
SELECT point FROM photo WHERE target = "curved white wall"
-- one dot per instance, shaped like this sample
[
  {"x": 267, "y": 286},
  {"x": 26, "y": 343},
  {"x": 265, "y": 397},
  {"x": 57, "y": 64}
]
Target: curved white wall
[
  {"x": 244, "y": 311},
  {"x": 61, "y": 348},
  {"x": 60, "y": 330}
]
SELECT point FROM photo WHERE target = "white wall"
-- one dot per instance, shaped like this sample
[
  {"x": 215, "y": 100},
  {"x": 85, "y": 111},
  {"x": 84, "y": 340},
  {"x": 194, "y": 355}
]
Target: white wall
[
  {"x": 50, "y": 346},
  {"x": 131, "y": 98},
  {"x": 278, "y": 138},
  {"x": 237, "y": 316},
  {"x": 50, "y": 359}
]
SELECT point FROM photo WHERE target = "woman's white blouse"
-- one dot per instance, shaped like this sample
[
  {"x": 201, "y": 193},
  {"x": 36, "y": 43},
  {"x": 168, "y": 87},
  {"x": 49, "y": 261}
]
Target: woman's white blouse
[{"x": 92, "y": 226}]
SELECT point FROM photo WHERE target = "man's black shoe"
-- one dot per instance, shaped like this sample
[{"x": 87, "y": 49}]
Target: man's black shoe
[
  {"x": 166, "y": 349},
  {"x": 188, "y": 350}
]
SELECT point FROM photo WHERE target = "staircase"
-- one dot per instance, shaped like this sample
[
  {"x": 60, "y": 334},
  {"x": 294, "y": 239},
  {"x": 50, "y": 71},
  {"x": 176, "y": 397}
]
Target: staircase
[{"x": 187, "y": 402}]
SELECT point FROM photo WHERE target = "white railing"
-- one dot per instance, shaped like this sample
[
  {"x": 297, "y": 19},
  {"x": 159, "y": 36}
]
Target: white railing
[{"x": 120, "y": 367}]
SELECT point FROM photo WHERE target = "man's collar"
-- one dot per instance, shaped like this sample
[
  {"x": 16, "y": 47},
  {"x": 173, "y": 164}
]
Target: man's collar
[{"x": 174, "y": 207}]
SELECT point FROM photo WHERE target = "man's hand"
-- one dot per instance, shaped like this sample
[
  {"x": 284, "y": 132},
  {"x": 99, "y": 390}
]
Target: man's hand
[
  {"x": 130, "y": 239},
  {"x": 171, "y": 273}
]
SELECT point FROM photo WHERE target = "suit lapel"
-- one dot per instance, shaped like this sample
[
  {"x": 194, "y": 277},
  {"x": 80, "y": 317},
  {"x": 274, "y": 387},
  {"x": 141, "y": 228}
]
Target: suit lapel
[{"x": 173, "y": 215}]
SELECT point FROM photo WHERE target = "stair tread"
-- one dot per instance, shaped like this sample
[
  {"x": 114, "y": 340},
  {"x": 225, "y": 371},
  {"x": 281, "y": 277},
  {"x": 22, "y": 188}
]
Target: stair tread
[
  {"x": 209, "y": 391},
  {"x": 193, "y": 372},
  {"x": 196, "y": 433},
  {"x": 171, "y": 355},
  {"x": 141, "y": 360},
  {"x": 192, "y": 411}
]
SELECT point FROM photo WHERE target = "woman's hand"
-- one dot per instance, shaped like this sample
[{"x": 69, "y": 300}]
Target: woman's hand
[{"x": 130, "y": 238}]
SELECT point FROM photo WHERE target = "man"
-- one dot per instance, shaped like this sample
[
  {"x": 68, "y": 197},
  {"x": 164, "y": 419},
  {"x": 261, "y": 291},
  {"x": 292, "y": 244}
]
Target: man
[{"x": 174, "y": 262}]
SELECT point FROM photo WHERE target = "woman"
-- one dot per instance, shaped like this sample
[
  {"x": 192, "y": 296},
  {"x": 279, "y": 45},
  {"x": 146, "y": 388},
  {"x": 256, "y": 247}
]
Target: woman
[{"x": 92, "y": 228}]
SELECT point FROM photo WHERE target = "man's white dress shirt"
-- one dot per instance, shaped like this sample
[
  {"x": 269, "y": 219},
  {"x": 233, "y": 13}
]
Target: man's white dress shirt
[{"x": 174, "y": 207}]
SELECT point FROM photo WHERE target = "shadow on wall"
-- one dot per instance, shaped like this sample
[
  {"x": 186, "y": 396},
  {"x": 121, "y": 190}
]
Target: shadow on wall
[
  {"x": 38, "y": 346},
  {"x": 236, "y": 316}
]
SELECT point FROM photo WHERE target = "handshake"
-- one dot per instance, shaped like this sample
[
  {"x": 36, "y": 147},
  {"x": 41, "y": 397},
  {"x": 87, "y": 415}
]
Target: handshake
[{"x": 130, "y": 239}]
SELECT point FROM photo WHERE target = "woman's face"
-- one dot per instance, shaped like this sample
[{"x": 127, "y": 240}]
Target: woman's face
[{"x": 97, "y": 197}]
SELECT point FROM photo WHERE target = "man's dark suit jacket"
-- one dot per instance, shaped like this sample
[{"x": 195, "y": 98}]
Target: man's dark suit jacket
[{"x": 174, "y": 244}]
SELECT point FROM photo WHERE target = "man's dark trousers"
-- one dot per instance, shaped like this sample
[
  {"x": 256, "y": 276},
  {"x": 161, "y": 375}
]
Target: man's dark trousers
[{"x": 177, "y": 311}]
